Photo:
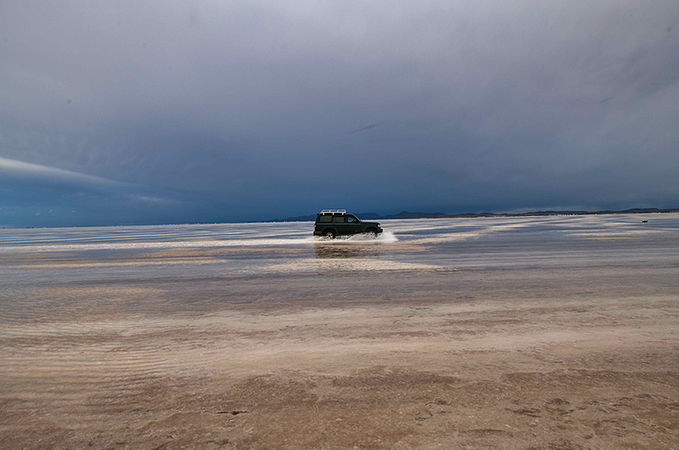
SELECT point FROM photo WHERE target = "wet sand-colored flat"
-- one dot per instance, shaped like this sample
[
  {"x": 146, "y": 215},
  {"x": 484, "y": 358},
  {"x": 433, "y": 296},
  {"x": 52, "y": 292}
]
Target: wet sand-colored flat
[{"x": 335, "y": 346}]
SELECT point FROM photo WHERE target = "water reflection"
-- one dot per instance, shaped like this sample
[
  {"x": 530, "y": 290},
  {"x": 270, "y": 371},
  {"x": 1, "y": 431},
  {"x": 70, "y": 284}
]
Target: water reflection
[{"x": 325, "y": 251}]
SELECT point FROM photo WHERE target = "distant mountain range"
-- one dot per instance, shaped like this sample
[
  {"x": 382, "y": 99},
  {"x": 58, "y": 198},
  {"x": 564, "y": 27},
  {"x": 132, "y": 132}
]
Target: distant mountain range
[{"x": 434, "y": 215}]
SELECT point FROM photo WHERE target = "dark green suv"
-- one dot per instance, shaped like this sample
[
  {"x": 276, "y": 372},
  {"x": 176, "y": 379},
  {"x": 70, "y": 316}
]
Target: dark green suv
[{"x": 336, "y": 222}]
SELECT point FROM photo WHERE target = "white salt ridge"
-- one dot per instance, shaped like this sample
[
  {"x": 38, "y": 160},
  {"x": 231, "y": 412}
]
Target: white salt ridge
[
  {"x": 385, "y": 237},
  {"x": 346, "y": 264},
  {"x": 156, "y": 245}
]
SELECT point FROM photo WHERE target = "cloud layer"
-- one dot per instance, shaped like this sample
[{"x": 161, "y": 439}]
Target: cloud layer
[{"x": 253, "y": 110}]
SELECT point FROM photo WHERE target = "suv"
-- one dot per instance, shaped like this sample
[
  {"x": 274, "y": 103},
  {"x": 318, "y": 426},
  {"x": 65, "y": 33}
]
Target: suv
[{"x": 336, "y": 222}]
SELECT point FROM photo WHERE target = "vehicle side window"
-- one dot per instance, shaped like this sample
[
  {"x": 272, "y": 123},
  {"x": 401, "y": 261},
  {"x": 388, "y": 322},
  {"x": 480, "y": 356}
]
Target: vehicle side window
[
  {"x": 325, "y": 218},
  {"x": 351, "y": 219},
  {"x": 338, "y": 219}
]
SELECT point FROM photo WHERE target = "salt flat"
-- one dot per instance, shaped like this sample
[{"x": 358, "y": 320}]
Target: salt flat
[{"x": 540, "y": 332}]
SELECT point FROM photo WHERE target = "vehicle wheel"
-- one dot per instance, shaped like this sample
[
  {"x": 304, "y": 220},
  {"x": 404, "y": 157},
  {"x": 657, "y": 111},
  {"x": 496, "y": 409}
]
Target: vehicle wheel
[
  {"x": 372, "y": 234},
  {"x": 329, "y": 234}
]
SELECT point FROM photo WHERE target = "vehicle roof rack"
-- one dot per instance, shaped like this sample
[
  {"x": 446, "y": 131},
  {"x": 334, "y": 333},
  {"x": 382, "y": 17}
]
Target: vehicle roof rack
[{"x": 334, "y": 211}]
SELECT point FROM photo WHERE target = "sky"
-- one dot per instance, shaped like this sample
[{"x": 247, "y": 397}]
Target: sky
[{"x": 144, "y": 112}]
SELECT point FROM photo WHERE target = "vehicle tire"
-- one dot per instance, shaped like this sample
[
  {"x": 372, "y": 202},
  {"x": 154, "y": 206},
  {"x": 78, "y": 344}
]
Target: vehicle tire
[
  {"x": 330, "y": 234},
  {"x": 371, "y": 233}
]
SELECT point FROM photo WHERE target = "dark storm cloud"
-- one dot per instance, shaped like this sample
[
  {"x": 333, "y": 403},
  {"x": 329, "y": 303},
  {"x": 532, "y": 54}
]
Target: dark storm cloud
[{"x": 251, "y": 110}]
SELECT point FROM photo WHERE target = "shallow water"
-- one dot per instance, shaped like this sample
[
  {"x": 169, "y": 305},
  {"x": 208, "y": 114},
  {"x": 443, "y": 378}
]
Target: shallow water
[
  {"x": 147, "y": 337},
  {"x": 39, "y": 267}
]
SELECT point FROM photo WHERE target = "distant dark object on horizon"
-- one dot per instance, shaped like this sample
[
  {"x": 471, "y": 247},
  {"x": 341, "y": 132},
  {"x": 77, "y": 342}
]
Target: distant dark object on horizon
[{"x": 438, "y": 215}]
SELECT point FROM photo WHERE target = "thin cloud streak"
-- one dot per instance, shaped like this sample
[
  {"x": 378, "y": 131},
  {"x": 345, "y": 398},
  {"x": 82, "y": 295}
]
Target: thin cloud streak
[
  {"x": 368, "y": 126},
  {"x": 28, "y": 171}
]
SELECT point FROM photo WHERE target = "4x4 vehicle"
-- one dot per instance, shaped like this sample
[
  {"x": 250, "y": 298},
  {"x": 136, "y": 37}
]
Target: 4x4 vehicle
[{"x": 336, "y": 222}]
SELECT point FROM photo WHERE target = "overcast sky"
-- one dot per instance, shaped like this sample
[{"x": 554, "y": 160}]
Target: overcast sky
[{"x": 135, "y": 112}]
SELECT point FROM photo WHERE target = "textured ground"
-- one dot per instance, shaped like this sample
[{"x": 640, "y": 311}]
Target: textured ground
[
  {"x": 554, "y": 334},
  {"x": 452, "y": 359}
]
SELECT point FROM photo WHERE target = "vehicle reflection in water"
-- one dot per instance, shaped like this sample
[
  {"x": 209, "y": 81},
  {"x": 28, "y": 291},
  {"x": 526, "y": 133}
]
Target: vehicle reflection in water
[{"x": 325, "y": 251}]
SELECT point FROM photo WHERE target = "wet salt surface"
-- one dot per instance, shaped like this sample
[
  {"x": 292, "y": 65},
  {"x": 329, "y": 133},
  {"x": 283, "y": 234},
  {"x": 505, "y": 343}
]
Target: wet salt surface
[
  {"x": 113, "y": 337},
  {"x": 36, "y": 263}
]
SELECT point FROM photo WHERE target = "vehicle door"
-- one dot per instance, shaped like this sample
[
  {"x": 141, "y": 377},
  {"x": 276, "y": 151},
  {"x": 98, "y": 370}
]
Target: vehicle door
[
  {"x": 323, "y": 221},
  {"x": 339, "y": 222},
  {"x": 353, "y": 224}
]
